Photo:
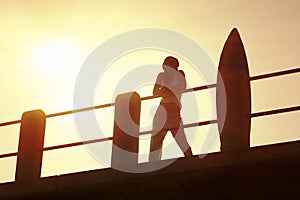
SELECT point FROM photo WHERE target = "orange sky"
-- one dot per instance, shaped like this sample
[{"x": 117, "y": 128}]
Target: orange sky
[{"x": 70, "y": 30}]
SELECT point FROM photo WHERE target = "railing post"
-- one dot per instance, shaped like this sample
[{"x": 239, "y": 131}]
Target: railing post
[
  {"x": 126, "y": 131},
  {"x": 31, "y": 142}
]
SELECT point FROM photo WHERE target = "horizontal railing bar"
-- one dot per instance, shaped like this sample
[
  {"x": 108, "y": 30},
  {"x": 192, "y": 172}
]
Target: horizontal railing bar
[
  {"x": 105, "y": 139},
  {"x": 112, "y": 104},
  {"x": 203, "y": 87},
  {"x": 10, "y": 123},
  {"x": 106, "y": 105},
  {"x": 263, "y": 76},
  {"x": 77, "y": 144},
  {"x": 200, "y": 123},
  {"x": 276, "y": 111},
  {"x": 258, "y": 77},
  {"x": 80, "y": 110},
  {"x": 110, "y": 138},
  {"x": 273, "y": 74},
  {"x": 150, "y": 97},
  {"x": 8, "y": 155},
  {"x": 186, "y": 126}
]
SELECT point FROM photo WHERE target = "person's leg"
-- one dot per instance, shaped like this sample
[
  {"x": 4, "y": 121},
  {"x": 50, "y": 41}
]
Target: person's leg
[
  {"x": 179, "y": 136},
  {"x": 158, "y": 134},
  {"x": 156, "y": 146}
]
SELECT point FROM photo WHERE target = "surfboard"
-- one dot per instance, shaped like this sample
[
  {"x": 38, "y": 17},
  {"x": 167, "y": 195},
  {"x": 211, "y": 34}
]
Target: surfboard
[{"x": 233, "y": 95}]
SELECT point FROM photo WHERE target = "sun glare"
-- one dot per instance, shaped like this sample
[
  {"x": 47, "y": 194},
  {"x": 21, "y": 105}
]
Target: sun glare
[{"x": 56, "y": 57}]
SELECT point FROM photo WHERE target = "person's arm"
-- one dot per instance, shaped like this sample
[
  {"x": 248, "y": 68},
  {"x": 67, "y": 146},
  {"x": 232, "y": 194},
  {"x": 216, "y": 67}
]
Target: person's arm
[
  {"x": 158, "y": 85},
  {"x": 182, "y": 81}
]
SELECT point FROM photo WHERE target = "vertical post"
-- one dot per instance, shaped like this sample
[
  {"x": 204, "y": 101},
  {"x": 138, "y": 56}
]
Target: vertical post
[
  {"x": 31, "y": 143},
  {"x": 126, "y": 131}
]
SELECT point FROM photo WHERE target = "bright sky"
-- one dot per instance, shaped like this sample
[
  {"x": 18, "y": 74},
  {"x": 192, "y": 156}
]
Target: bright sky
[{"x": 44, "y": 43}]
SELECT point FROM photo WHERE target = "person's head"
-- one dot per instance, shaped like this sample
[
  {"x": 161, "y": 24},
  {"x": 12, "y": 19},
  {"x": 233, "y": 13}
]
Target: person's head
[{"x": 171, "y": 62}]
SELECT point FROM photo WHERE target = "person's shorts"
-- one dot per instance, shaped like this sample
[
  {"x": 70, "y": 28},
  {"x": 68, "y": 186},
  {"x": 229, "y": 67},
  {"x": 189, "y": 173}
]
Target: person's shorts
[{"x": 167, "y": 117}]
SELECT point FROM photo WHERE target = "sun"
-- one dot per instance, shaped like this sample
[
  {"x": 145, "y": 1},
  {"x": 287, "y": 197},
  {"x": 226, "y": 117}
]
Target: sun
[
  {"x": 56, "y": 57},
  {"x": 55, "y": 63}
]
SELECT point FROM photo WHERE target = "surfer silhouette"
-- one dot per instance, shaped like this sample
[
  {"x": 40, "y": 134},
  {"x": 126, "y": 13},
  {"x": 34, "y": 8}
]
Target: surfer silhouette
[{"x": 169, "y": 85}]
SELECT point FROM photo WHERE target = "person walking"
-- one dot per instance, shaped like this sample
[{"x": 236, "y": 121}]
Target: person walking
[{"x": 169, "y": 85}]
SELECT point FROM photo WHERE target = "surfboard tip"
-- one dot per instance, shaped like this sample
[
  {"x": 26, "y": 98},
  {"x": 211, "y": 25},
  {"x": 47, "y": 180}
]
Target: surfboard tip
[{"x": 234, "y": 33}]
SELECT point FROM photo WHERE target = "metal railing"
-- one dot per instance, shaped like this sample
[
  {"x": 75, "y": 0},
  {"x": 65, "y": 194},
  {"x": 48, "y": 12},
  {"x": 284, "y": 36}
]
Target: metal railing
[{"x": 202, "y": 123}]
